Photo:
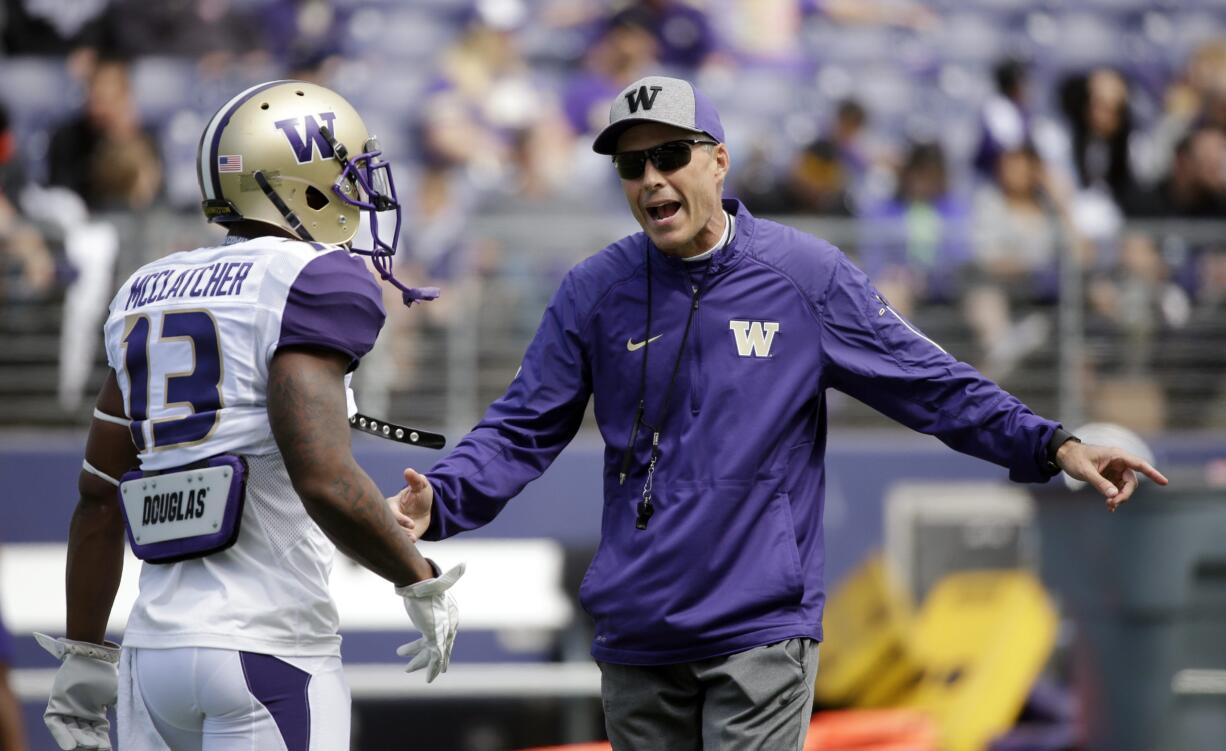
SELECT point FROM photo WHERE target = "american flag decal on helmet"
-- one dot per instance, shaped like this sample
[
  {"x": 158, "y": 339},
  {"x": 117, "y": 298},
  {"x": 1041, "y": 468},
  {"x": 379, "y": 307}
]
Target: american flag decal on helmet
[{"x": 230, "y": 163}]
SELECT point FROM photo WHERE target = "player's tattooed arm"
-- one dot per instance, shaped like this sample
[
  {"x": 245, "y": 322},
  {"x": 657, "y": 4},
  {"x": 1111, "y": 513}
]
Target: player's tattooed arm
[
  {"x": 95, "y": 537},
  {"x": 307, "y": 411}
]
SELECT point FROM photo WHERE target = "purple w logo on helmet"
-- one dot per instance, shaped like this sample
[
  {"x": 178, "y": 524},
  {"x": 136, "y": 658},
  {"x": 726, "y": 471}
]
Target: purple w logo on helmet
[{"x": 304, "y": 144}]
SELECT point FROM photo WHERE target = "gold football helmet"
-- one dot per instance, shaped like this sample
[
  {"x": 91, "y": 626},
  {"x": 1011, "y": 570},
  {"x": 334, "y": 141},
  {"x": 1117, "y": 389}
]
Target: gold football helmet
[{"x": 282, "y": 153}]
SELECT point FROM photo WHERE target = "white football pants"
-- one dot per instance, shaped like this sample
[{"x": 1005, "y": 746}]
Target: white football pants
[{"x": 197, "y": 699}]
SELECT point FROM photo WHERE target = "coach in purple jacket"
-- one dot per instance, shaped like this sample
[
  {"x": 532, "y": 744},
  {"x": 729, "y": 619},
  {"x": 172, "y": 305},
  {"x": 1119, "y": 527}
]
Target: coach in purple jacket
[{"x": 708, "y": 342}]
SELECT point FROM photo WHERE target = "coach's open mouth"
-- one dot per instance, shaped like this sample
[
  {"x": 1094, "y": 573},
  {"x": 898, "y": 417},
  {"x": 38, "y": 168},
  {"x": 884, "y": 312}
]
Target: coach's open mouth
[{"x": 663, "y": 211}]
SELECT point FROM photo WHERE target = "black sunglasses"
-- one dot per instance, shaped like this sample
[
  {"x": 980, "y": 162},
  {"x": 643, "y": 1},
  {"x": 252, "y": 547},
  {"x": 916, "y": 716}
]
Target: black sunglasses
[{"x": 666, "y": 157}]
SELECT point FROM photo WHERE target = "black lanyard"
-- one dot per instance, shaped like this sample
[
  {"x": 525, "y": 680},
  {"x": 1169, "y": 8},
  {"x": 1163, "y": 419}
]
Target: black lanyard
[{"x": 645, "y": 508}]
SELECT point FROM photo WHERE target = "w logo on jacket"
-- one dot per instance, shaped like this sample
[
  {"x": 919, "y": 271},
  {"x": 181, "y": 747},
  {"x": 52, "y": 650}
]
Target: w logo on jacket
[{"x": 754, "y": 338}]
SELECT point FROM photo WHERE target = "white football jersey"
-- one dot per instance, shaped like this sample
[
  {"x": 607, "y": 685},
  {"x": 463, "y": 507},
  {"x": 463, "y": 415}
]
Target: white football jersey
[{"x": 190, "y": 338}]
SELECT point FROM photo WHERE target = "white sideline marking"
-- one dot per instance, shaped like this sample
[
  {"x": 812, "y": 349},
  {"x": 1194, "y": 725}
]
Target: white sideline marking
[
  {"x": 512, "y": 585},
  {"x": 462, "y": 680}
]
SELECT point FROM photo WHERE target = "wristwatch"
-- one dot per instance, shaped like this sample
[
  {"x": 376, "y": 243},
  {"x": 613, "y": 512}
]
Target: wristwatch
[{"x": 1058, "y": 439}]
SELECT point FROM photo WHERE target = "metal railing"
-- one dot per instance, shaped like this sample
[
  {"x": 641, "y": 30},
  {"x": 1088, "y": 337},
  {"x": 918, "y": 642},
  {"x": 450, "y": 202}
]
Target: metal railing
[{"x": 441, "y": 364}]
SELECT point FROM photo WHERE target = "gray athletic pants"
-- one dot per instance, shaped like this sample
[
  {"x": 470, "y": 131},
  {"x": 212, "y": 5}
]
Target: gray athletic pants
[{"x": 759, "y": 700}]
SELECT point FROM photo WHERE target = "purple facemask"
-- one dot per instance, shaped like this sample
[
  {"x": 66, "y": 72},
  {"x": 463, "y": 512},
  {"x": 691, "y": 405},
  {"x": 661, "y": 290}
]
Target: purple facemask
[{"x": 373, "y": 176}]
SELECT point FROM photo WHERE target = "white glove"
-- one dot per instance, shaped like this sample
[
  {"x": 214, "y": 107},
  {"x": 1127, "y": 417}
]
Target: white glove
[
  {"x": 85, "y": 685},
  {"x": 435, "y": 614}
]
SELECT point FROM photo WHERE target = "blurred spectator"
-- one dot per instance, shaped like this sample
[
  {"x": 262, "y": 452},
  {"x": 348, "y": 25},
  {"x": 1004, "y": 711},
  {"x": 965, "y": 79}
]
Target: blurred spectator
[
  {"x": 437, "y": 209},
  {"x": 623, "y": 52},
  {"x": 761, "y": 30},
  {"x": 438, "y": 212},
  {"x": 23, "y": 248},
  {"x": 12, "y": 171},
  {"x": 501, "y": 128},
  {"x": 819, "y": 181},
  {"x": 1017, "y": 236},
  {"x": 1100, "y": 128},
  {"x": 487, "y": 113},
  {"x": 868, "y": 162},
  {"x": 826, "y": 177},
  {"x": 848, "y": 134},
  {"x": 1196, "y": 187},
  {"x": 1004, "y": 120},
  {"x": 904, "y": 13},
  {"x": 104, "y": 154},
  {"x": 1197, "y": 98},
  {"x": 311, "y": 64},
  {"x": 303, "y": 34},
  {"x": 12, "y": 736},
  {"x": 814, "y": 181},
  {"x": 1207, "y": 81},
  {"x": 683, "y": 32},
  {"x": 36, "y": 27},
  {"x": 915, "y": 246},
  {"x": 211, "y": 31},
  {"x": 1008, "y": 120},
  {"x": 1133, "y": 304},
  {"x": 758, "y": 180},
  {"x": 488, "y": 131},
  {"x": 1192, "y": 359}
]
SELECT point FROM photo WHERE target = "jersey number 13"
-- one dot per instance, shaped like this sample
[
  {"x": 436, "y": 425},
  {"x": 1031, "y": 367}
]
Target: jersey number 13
[{"x": 198, "y": 387}]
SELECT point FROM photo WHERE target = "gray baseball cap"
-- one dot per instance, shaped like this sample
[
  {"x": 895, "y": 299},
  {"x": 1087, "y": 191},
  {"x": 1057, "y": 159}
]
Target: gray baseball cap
[{"x": 659, "y": 99}]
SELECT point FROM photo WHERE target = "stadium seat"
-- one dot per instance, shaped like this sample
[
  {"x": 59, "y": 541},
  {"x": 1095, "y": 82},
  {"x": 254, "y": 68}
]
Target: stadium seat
[
  {"x": 162, "y": 86},
  {"x": 180, "y": 143},
  {"x": 885, "y": 90},
  {"x": 1087, "y": 39},
  {"x": 395, "y": 34},
  {"x": 38, "y": 92},
  {"x": 971, "y": 37},
  {"x": 837, "y": 43},
  {"x": 1118, "y": 6},
  {"x": 1194, "y": 29}
]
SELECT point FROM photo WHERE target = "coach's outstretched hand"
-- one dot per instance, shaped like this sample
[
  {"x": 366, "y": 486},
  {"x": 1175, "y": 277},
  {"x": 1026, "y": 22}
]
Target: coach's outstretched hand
[
  {"x": 1112, "y": 471},
  {"x": 84, "y": 686},
  {"x": 435, "y": 614},
  {"x": 414, "y": 503}
]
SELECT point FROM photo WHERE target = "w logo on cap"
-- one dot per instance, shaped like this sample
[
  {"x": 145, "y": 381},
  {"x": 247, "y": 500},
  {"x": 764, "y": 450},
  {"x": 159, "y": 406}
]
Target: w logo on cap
[
  {"x": 641, "y": 98},
  {"x": 304, "y": 143}
]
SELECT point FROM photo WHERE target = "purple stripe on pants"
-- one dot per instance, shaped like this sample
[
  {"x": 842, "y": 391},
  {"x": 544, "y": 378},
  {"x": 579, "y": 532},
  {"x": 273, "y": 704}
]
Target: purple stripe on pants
[{"x": 282, "y": 689}]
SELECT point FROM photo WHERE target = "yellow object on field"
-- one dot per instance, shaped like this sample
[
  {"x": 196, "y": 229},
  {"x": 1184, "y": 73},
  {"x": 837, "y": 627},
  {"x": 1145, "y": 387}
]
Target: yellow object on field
[
  {"x": 983, "y": 638},
  {"x": 865, "y": 659}
]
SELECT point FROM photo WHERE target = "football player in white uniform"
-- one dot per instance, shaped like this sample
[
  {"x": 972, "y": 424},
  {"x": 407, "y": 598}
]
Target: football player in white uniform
[{"x": 221, "y": 447}]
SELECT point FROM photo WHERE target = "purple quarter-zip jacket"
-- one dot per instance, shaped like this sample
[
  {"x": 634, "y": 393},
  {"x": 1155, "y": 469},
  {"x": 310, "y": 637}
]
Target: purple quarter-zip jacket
[{"x": 733, "y": 556}]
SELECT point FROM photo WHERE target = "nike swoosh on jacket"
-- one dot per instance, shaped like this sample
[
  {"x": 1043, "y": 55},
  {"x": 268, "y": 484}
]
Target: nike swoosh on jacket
[{"x": 634, "y": 346}]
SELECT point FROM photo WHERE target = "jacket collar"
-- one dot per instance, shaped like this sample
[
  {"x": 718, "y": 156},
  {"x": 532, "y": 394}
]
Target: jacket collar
[{"x": 725, "y": 258}]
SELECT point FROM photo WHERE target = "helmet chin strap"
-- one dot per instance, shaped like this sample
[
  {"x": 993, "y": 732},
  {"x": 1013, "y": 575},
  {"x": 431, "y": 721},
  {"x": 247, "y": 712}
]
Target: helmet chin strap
[
  {"x": 381, "y": 253},
  {"x": 381, "y": 261},
  {"x": 295, "y": 224}
]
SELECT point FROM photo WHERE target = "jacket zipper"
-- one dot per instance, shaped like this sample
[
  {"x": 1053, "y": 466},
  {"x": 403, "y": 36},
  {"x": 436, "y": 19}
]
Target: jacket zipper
[{"x": 696, "y": 379}]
